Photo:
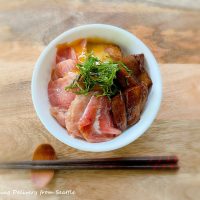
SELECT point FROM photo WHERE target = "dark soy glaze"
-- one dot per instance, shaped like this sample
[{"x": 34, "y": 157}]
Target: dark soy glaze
[{"x": 119, "y": 112}]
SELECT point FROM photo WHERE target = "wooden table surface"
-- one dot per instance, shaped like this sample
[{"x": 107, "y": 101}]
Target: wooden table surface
[{"x": 172, "y": 32}]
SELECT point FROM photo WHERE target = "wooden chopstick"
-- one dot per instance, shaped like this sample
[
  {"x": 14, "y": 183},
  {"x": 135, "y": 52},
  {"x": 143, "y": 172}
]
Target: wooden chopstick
[
  {"x": 158, "y": 162},
  {"x": 88, "y": 167}
]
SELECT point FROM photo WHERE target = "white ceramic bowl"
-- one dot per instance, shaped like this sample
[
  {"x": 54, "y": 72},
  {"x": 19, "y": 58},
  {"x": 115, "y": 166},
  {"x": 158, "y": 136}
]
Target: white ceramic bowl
[{"x": 129, "y": 44}]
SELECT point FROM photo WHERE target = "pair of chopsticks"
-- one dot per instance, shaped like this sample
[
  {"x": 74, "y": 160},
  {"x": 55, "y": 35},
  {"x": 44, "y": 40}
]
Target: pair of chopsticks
[{"x": 153, "y": 162}]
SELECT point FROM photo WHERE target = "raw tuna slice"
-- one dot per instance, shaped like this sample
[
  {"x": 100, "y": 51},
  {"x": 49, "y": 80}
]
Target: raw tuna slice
[
  {"x": 64, "y": 52},
  {"x": 63, "y": 68},
  {"x": 75, "y": 52},
  {"x": 96, "y": 123},
  {"x": 74, "y": 114},
  {"x": 58, "y": 96},
  {"x": 59, "y": 115}
]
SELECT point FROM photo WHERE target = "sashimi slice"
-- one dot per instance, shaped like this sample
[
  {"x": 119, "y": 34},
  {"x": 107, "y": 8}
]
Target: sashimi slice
[
  {"x": 74, "y": 114},
  {"x": 64, "y": 52},
  {"x": 58, "y": 96},
  {"x": 75, "y": 51},
  {"x": 105, "y": 120},
  {"x": 59, "y": 115},
  {"x": 63, "y": 68},
  {"x": 96, "y": 123}
]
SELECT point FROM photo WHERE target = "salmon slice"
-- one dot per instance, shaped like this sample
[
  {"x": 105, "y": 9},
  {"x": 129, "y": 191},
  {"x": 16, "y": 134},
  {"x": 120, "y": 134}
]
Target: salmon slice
[
  {"x": 64, "y": 52},
  {"x": 74, "y": 114},
  {"x": 62, "y": 68},
  {"x": 57, "y": 94},
  {"x": 59, "y": 115},
  {"x": 96, "y": 123}
]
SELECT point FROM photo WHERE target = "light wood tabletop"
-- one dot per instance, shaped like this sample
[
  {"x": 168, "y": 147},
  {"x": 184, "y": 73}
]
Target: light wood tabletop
[{"x": 172, "y": 32}]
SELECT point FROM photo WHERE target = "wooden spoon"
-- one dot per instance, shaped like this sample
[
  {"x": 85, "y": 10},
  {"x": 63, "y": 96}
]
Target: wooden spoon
[{"x": 41, "y": 178}]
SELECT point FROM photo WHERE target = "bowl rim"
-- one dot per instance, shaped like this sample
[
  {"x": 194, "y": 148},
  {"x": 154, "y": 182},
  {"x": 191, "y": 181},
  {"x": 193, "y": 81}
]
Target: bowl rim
[{"x": 95, "y": 147}]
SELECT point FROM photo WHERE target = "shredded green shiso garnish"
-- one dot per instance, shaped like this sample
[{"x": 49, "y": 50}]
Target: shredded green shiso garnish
[{"x": 96, "y": 73}]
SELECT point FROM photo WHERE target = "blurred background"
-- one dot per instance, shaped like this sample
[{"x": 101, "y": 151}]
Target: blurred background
[{"x": 170, "y": 28}]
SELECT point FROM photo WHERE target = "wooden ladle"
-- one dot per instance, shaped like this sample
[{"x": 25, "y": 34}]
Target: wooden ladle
[{"x": 41, "y": 178}]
